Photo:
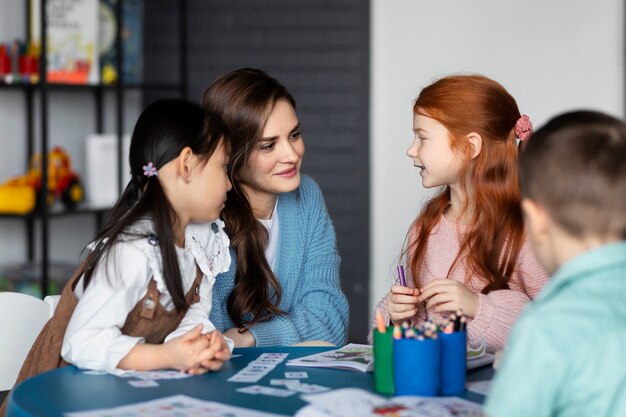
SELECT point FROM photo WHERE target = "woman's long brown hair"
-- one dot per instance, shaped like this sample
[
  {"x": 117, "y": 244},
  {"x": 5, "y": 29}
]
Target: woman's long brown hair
[
  {"x": 244, "y": 100},
  {"x": 466, "y": 104}
]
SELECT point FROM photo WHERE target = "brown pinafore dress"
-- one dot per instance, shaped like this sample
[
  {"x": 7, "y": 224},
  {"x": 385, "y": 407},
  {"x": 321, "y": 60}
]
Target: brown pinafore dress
[{"x": 148, "y": 319}]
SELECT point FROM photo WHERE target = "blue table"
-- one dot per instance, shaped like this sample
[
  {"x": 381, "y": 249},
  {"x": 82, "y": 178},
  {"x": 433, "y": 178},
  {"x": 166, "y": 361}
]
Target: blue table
[{"x": 68, "y": 389}]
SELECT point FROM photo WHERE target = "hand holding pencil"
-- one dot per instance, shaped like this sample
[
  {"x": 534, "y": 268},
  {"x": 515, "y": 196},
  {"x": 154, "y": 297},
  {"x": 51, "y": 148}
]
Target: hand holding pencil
[{"x": 402, "y": 300}]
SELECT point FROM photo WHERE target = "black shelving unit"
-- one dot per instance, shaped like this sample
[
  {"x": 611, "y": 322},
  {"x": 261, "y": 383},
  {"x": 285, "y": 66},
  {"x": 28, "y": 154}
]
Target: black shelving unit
[{"x": 39, "y": 93}]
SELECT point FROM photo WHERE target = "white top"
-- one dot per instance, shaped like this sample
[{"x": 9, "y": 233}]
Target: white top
[
  {"x": 271, "y": 225},
  {"x": 93, "y": 339}
]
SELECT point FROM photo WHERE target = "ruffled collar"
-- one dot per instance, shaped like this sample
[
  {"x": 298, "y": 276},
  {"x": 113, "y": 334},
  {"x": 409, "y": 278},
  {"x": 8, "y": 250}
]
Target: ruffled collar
[{"x": 207, "y": 243}]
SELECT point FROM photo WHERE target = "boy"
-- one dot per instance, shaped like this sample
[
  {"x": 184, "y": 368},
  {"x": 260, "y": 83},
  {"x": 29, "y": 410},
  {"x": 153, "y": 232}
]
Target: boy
[{"x": 567, "y": 353}]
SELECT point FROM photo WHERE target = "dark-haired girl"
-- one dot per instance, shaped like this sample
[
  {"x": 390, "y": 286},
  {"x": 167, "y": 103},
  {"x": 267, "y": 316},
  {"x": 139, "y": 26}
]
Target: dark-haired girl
[{"x": 141, "y": 299}]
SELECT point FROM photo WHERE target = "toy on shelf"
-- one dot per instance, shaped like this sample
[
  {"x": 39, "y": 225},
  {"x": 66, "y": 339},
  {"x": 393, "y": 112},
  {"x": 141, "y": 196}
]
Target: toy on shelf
[
  {"x": 19, "y": 62},
  {"x": 19, "y": 194}
]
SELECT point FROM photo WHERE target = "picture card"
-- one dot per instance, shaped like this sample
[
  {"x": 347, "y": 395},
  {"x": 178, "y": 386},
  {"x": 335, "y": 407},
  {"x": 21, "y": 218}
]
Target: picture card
[{"x": 143, "y": 383}]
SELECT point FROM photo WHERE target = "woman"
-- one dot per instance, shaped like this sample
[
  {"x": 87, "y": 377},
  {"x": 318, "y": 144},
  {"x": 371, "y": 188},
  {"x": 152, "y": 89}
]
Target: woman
[{"x": 283, "y": 284}]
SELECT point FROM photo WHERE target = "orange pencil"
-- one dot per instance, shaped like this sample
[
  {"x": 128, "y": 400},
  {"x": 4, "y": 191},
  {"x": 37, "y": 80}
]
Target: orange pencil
[
  {"x": 397, "y": 332},
  {"x": 380, "y": 323}
]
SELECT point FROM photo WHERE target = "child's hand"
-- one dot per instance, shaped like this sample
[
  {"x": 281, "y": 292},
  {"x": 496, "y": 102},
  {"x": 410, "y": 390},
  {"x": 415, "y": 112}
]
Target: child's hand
[
  {"x": 402, "y": 303},
  {"x": 448, "y": 295},
  {"x": 189, "y": 351},
  {"x": 220, "y": 350}
]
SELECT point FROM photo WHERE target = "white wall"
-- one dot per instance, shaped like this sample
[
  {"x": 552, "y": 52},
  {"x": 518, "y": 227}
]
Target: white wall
[{"x": 552, "y": 56}]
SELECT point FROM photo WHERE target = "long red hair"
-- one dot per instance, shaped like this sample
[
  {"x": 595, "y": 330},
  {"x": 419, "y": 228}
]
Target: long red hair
[{"x": 466, "y": 104}]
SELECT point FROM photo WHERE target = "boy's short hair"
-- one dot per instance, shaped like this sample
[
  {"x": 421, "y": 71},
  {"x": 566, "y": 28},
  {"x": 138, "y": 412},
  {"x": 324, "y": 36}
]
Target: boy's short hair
[{"x": 575, "y": 167}]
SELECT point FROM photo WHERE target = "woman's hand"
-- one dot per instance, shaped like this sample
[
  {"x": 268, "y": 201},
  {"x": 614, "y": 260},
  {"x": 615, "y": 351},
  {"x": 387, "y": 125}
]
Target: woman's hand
[
  {"x": 241, "y": 339},
  {"x": 402, "y": 303},
  {"x": 448, "y": 295}
]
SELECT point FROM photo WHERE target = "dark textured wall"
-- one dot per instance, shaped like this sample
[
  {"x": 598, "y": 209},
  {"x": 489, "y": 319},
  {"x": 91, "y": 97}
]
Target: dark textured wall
[{"x": 320, "y": 50}]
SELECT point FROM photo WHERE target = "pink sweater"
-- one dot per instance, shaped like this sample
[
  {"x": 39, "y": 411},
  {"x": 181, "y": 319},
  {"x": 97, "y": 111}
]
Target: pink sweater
[{"x": 497, "y": 310}]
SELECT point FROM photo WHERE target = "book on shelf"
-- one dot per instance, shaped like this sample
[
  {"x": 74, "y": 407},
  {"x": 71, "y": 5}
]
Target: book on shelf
[
  {"x": 71, "y": 40},
  {"x": 81, "y": 37},
  {"x": 132, "y": 41},
  {"x": 353, "y": 356},
  {"x": 101, "y": 157}
]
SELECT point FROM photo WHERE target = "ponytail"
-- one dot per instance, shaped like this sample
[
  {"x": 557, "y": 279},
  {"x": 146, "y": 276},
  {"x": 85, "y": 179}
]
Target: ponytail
[{"x": 131, "y": 207}]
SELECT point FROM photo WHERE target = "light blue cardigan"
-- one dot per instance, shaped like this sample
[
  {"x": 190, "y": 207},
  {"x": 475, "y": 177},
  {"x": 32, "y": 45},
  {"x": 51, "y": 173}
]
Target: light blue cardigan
[{"x": 307, "y": 267}]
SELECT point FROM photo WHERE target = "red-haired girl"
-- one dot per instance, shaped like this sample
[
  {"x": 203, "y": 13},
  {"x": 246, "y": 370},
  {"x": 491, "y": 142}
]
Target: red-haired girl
[{"x": 467, "y": 248}]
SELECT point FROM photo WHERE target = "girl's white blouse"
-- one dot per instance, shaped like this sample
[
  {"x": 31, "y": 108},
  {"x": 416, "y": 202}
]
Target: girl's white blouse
[{"x": 93, "y": 339}]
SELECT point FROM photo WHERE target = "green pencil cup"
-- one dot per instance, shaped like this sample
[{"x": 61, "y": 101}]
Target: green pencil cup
[{"x": 383, "y": 361}]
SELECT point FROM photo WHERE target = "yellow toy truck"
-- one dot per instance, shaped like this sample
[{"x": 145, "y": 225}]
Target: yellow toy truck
[{"x": 19, "y": 194}]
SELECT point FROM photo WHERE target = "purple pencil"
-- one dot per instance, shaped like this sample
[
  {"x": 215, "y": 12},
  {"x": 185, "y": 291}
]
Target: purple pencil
[{"x": 401, "y": 275}]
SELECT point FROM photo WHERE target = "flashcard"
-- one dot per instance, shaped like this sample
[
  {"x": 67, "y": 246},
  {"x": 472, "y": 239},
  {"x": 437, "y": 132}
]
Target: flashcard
[
  {"x": 280, "y": 381},
  {"x": 290, "y": 384},
  {"x": 244, "y": 378},
  {"x": 259, "y": 389},
  {"x": 95, "y": 372},
  {"x": 296, "y": 375},
  {"x": 309, "y": 389},
  {"x": 280, "y": 356},
  {"x": 143, "y": 383},
  {"x": 258, "y": 368},
  {"x": 252, "y": 373},
  {"x": 267, "y": 361},
  {"x": 277, "y": 392},
  {"x": 163, "y": 374},
  {"x": 265, "y": 367},
  {"x": 252, "y": 389}
]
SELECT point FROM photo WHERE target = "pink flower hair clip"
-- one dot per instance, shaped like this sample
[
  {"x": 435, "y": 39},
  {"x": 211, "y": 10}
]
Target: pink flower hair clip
[
  {"x": 150, "y": 170},
  {"x": 523, "y": 128}
]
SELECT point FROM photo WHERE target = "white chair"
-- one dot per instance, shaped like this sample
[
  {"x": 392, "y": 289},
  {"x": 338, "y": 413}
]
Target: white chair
[
  {"x": 21, "y": 319},
  {"x": 52, "y": 301}
]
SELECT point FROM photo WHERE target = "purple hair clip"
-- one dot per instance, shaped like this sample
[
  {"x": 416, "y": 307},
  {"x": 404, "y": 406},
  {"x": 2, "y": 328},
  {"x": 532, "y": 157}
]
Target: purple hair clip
[{"x": 150, "y": 170}]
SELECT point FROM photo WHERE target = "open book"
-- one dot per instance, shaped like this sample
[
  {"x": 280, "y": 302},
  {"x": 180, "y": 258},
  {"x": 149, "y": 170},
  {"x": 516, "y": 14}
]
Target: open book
[
  {"x": 478, "y": 357},
  {"x": 353, "y": 357}
]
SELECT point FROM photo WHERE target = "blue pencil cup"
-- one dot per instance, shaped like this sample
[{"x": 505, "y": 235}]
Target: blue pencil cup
[
  {"x": 453, "y": 362},
  {"x": 416, "y": 367}
]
